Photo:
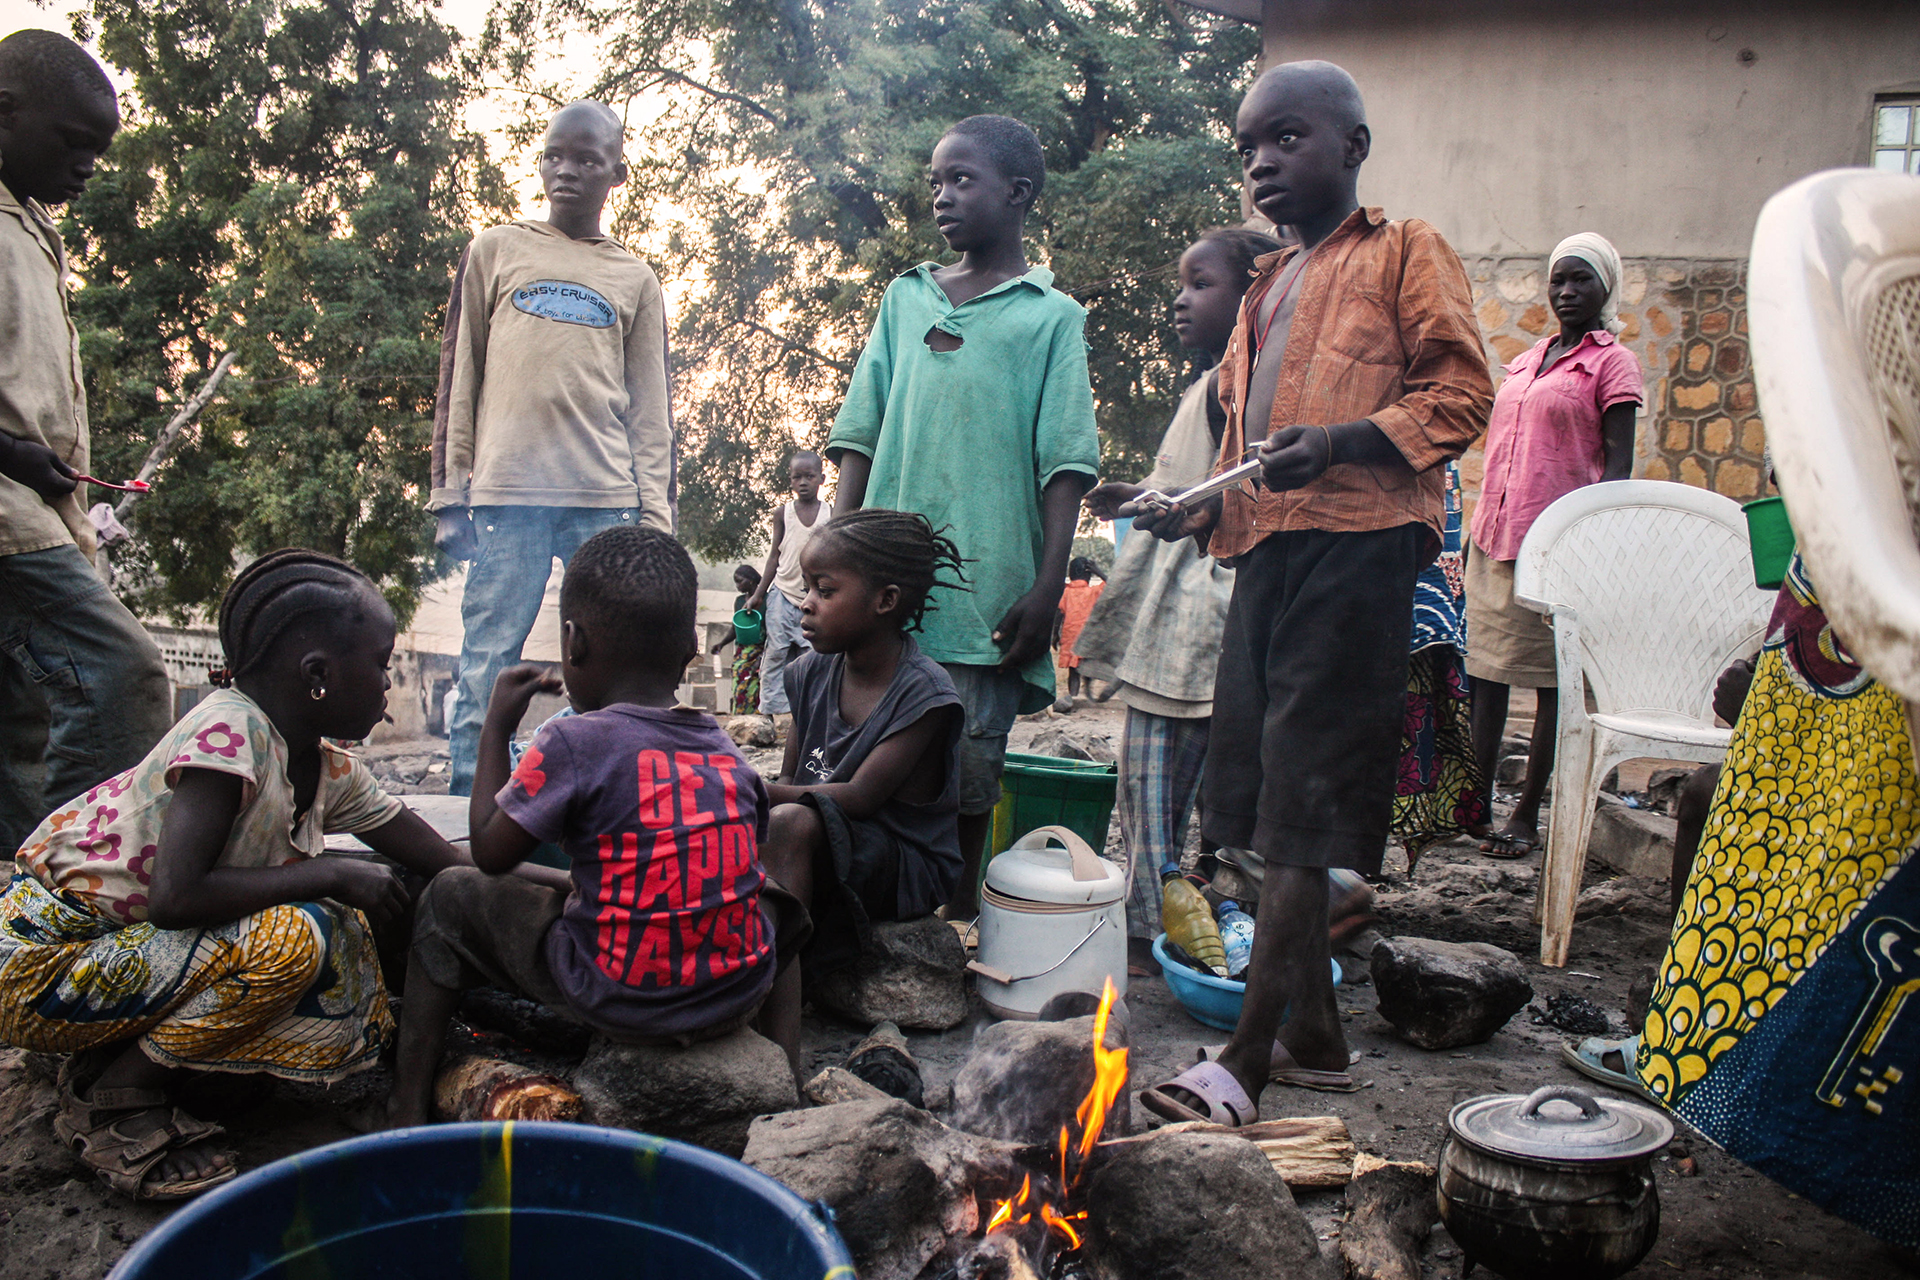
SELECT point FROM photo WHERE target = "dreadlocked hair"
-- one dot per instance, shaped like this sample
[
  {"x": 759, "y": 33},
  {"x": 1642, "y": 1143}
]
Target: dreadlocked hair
[
  {"x": 273, "y": 593},
  {"x": 899, "y": 549}
]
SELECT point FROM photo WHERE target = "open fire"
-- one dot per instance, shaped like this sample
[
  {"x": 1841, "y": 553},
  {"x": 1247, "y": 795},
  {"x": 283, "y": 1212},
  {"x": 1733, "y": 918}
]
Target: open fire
[{"x": 1051, "y": 1208}]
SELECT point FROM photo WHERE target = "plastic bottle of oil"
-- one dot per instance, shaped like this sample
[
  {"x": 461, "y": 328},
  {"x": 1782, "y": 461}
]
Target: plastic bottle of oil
[{"x": 1189, "y": 921}]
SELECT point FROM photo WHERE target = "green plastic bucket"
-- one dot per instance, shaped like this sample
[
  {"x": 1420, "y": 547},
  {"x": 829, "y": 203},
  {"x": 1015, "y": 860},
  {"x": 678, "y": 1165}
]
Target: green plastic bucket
[
  {"x": 749, "y": 628},
  {"x": 1044, "y": 791},
  {"x": 1770, "y": 539}
]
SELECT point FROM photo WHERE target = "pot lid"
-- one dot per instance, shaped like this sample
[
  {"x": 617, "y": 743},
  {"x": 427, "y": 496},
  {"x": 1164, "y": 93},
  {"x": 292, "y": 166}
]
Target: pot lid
[
  {"x": 1561, "y": 1123},
  {"x": 1053, "y": 864}
]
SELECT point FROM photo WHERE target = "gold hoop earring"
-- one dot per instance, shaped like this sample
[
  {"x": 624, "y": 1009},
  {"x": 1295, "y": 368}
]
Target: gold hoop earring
[{"x": 317, "y": 693}]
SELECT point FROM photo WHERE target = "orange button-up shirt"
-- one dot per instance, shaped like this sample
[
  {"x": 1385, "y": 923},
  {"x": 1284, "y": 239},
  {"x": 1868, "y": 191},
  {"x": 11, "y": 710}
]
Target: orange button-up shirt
[{"x": 1383, "y": 330}]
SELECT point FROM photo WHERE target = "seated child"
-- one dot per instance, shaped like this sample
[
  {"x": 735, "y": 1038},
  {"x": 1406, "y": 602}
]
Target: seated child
[
  {"x": 185, "y": 916},
  {"x": 865, "y": 825},
  {"x": 663, "y": 938}
]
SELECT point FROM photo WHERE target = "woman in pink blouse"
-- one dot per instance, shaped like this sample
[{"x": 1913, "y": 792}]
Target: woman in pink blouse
[{"x": 1562, "y": 419}]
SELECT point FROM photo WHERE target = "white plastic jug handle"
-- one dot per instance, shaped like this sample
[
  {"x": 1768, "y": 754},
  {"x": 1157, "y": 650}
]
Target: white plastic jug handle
[{"x": 1087, "y": 865}]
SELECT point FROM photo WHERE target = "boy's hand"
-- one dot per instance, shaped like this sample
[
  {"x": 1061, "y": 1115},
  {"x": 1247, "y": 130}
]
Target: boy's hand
[
  {"x": 37, "y": 467},
  {"x": 1028, "y": 626},
  {"x": 1730, "y": 690},
  {"x": 1104, "y": 501},
  {"x": 453, "y": 534},
  {"x": 1294, "y": 457},
  {"x": 369, "y": 886},
  {"x": 757, "y": 602},
  {"x": 1171, "y": 524},
  {"x": 513, "y": 693}
]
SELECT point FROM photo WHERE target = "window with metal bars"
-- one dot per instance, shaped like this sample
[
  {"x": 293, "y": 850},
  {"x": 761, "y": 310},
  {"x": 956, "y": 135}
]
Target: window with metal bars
[{"x": 1896, "y": 134}]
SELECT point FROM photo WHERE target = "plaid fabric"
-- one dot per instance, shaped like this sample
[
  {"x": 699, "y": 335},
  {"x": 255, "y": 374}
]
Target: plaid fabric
[
  {"x": 1160, "y": 760},
  {"x": 1384, "y": 330}
]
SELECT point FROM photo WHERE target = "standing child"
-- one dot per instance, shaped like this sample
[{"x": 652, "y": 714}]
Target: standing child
[
  {"x": 971, "y": 406},
  {"x": 552, "y": 422},
  {"x": 794, "y": 524},
  {"x": 83, "y": 693},
  {"x": 1357, "y": 361},
  {"x": 185, "y": 915},
  {"x": 1076, "y": 602},
  {"x": 662, "y": 939},
  {"x": 865, "y": 827},
  {"x": 745, "y": 699}
]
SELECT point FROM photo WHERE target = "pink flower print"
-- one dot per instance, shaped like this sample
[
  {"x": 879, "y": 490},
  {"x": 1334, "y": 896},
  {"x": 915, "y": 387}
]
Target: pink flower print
[
  {"x": 219, "y": 740},
  {"x": 125, "y": 907},
  {"x": 117, "y": 786},
  {"x": 103, "y": 848},
  {"x": 529, "y": 775},
  {"x": 141, "y": 864}
]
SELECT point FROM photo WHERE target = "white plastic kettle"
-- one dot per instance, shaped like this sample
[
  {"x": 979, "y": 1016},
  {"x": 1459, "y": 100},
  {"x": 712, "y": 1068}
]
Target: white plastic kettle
[{"x": 1053, "y": 918}]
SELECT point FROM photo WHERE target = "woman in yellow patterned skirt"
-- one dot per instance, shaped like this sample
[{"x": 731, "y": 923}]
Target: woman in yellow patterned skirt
[
  {"x": 1779, "y": 1025},
  {"x": 184, "y": 915}
]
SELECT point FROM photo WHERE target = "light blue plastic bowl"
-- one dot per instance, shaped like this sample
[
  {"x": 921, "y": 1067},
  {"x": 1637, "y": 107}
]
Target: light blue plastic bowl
[{"x": 1213, "y": 1001}]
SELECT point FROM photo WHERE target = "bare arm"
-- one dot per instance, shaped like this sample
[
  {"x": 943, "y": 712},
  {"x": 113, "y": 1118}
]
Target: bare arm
[
  {"x": 190, "y": 892},
  {"x": 1616, "y": 435},
  {"x": 850, "y": 491},
  {"x": 1024, "y": 631},
  {"x": 758, "y": 600},
  {"x": 885, "y": 772},
  {"x": 499, "y": 843}
]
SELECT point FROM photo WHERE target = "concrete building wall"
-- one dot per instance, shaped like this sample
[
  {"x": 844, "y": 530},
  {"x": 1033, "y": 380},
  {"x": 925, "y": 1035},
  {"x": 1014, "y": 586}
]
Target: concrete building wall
[{"x": 1663, "y": 126}]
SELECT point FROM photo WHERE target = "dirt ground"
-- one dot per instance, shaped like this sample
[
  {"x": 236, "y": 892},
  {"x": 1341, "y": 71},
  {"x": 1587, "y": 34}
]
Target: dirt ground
[{"x": 56, "y": 1223}]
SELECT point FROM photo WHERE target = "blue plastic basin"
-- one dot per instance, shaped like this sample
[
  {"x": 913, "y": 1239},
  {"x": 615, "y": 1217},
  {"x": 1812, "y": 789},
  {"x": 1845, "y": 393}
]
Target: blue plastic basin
[
  {"x": 1214, "y": 1001},
  {"x": 510, "y": 1200}
]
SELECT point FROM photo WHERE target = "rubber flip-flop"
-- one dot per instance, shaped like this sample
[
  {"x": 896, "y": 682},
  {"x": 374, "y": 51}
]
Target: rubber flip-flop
[
  {"x": 1588, "y": 1058},
  {"x": 1225, "y": 1101},
  {"x": 1507, "y": 847},
  {"x": 1282, "y": 1069}
]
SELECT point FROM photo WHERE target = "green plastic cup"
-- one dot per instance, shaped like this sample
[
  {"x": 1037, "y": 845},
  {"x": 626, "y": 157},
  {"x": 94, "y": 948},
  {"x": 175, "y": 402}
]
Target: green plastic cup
[{"x": 1770, "y": 539}]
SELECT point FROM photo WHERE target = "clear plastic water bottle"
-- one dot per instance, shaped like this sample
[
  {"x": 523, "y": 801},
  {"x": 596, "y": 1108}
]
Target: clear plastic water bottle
[{"x": 1236, "y": 935}]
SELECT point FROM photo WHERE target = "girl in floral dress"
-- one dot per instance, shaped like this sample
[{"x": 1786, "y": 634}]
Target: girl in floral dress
[{"x": 185, "y": 916}]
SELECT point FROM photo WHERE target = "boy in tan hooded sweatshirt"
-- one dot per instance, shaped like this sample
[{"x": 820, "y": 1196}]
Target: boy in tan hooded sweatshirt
[{"x": 553, "y": 419}]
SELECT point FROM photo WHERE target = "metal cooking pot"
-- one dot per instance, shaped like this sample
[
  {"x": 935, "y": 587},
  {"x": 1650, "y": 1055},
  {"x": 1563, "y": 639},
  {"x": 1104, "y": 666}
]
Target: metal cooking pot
[{"x": 1557, "y": 1185}]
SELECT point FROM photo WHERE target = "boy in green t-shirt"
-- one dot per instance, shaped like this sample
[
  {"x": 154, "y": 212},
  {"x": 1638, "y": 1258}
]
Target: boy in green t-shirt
[{"x": 971, "y": 406}]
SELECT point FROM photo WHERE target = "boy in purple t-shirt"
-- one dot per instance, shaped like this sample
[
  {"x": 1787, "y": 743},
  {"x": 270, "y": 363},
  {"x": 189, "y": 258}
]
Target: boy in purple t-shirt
[{"x": 664, "y": 938}]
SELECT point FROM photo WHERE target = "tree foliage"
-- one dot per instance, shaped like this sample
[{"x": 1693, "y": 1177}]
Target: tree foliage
[
  {"x": 294, "y": 183},
  {"x": 780, "y": 180}
]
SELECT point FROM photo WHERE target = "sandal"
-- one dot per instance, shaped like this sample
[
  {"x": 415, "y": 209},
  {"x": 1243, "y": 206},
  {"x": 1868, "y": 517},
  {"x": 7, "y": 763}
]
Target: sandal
[
  {"x": 1225, "y": 1101},
  {"x": 92, "y": 1129},
  {"x": 1589, "y": 1059},
  {"x": 1284, "y": 1070},
  {"x": 1507, "y": 848}
]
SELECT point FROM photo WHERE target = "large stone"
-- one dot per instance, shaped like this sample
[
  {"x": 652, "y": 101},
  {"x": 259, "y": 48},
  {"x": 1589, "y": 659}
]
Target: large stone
[
  {"x": 1197, "y": 1206},
  {"x": 914, "y": 975},
  {"x": 1441, "y": 995},
  {"x": 1073, "y": 742},
  {"x": 1637, "y": 842},
  {"x": 705, "y": 1094},
  {"x": 898, "y": 1181},
  {"x": 1024, "y": 1080}
]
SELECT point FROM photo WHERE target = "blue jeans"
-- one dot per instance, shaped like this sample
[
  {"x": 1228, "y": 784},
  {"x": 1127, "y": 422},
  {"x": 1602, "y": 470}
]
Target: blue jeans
[
  {"x": 784, "y": 643},
  {"x": 83, "y": 692},
  {"x": 505, "y": 585}
]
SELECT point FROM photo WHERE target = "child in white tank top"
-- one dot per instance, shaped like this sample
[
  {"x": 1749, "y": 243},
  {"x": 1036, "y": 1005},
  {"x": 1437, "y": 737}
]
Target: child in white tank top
[{"x": 781, "y": 586}]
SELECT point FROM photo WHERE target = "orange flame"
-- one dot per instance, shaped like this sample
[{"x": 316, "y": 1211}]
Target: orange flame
[
  {"x": 1003, "y": 1213},
  {"x": 1057, "y": 1223}
]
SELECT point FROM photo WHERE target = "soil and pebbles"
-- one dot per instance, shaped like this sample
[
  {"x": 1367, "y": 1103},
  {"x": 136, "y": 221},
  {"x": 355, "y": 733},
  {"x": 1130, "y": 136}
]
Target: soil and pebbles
[{"x": 56, "y": 1223}]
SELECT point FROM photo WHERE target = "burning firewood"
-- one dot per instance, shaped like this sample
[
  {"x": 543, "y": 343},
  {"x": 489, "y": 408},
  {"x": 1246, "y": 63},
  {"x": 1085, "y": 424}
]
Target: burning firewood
[
  {"x": 488, "y": 1089},
  {"x": 998, "y": 1257}
]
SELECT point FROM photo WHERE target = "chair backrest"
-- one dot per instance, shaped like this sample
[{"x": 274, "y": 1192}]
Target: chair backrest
[
  {"x": 1658, "y": 577},
  {"x": 1834, "y": 305}
]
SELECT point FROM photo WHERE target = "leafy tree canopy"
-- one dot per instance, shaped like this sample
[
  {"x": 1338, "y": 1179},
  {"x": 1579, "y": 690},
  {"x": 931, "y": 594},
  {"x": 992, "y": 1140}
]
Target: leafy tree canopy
[
  {"x": 294, "y": 184},
  {"x": 783, "y": 185}
]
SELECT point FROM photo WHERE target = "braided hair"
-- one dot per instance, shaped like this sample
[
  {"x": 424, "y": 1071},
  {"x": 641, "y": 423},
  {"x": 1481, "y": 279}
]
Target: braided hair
[
  {"x": 273, "y": 593},
  {"x": 640, "y": 585},
  {"x": 1241, "y": 247},
  {"x": 899, "y": 549}
]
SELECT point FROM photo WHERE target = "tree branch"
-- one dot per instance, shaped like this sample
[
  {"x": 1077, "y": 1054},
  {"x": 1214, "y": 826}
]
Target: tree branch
[
  {"x": 171, "y": 432},
  {"x": 800, "y": 347},
  {"x": 680, "y": 77}
]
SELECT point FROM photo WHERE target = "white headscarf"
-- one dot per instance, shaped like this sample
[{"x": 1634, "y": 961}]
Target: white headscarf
[{"x": 1597, "y": 252}]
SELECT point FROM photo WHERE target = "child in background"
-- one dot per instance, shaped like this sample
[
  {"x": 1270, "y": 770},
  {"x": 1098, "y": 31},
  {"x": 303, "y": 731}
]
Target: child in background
[
  {"x": 83, "y": 692},
  {"x": 185, "y": 915},
  {"x": 745, "y": 700},
  {"x": 971, "y": 406},
  {"x": 663, "y": 938},
  {"x": 1358, "y": 371},
  {"x": 1156, "y": 630},
  {"x": 781, "y": 589},
  {"x": 552, "y": 421},
  {"x": 865, "y": 827},
  {"x": 1076, "y": 602}
]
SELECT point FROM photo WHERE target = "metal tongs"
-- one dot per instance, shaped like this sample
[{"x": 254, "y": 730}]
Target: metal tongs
[{"x": 1154, "y": 500}]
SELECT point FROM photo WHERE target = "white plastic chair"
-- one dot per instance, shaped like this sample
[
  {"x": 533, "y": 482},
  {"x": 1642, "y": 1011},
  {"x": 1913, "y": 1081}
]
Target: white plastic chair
[
  {"x": 1834, "y": 305},
  {"x": 1650, "y": 587}
]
